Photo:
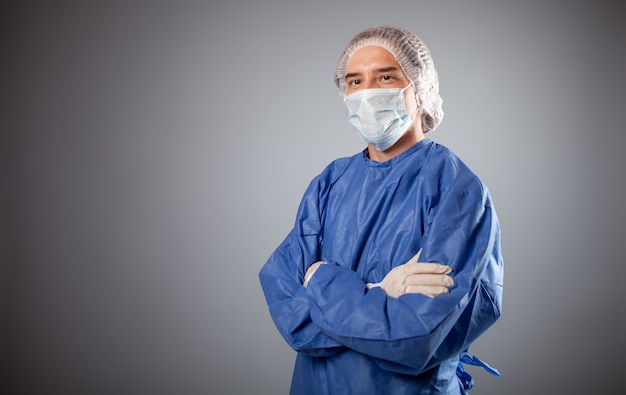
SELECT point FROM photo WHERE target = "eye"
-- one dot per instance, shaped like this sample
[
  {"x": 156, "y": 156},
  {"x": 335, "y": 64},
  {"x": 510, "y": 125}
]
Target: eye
[
  {"x": 387, "y": 77},
  {"x": 354, "y": 82}
]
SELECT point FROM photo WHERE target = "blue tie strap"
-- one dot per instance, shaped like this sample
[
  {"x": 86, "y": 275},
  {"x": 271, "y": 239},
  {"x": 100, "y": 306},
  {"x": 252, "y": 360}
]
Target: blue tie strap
[{"x": 466, "y": 378}]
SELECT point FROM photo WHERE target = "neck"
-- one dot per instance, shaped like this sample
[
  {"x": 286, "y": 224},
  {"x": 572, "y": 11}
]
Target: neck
[{"x": 408, "y": 139}]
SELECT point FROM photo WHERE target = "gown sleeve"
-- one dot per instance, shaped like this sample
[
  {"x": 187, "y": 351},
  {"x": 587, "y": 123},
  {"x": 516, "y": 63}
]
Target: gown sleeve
[
  {"x": 281, "y": 279},
  {"x": 413, "y": 333}
]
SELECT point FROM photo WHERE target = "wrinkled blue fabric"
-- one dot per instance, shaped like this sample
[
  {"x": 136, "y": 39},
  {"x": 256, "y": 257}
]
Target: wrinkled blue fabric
[{"x": 363, "y": 218}]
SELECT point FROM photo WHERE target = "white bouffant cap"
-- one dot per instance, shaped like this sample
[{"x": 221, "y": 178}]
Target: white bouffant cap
[{"x": 414, "y": 59}]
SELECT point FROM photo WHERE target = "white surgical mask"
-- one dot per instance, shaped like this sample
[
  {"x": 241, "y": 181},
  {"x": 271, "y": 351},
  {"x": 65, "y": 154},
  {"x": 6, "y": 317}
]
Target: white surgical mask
[{"x": 379, "y": 115}]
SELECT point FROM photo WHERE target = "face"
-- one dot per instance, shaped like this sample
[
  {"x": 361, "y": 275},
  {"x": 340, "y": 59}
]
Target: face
[{"x": 374, "y": 67}]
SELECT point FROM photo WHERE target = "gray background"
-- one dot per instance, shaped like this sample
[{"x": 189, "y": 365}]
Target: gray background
[{"x": 154, "y": 154}]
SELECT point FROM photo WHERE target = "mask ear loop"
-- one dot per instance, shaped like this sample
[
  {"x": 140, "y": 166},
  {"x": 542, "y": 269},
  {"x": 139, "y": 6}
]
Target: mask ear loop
[{"x": 418, "y": 106}]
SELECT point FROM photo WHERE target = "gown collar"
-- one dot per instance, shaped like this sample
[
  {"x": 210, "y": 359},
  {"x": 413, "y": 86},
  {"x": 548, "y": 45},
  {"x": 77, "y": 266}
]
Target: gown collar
[{"x": 396, "y": 159}]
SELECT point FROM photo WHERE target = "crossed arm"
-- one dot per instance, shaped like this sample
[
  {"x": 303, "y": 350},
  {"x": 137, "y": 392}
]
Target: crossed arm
[
  {"x": 417, "y": 316},
  {"x": 430, "y": 279}
]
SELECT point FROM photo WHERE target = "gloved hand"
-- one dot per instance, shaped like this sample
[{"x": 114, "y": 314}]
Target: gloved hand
[
  {"x": 430, "y": 279},
  {"x": 310, "y": 272}
]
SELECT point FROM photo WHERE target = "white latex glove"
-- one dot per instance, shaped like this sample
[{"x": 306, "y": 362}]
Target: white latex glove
[
  {"x": 310, "y": 272},
  {"x": 430, "y": 279}
]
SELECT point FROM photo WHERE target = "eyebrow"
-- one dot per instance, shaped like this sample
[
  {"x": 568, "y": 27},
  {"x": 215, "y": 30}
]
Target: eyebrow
[{"x": 381, "y": 70}]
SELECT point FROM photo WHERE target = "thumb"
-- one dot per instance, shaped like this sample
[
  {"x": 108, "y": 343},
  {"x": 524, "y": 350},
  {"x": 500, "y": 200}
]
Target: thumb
[{"x": 416, "y": 257}]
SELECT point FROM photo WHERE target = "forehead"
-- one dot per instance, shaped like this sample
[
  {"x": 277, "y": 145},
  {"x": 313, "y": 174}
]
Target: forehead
[{"x": 370, "y": 57}]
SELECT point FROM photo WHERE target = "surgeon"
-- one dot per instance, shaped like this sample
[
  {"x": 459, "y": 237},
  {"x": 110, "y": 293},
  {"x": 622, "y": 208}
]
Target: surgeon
[{"x": 393, "y": 267}]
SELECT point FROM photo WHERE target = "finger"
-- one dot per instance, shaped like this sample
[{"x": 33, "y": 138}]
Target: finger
[
  {"x": 310, "y": 272},
  {"x": 426, "y": 267},
  {"x": 429, "y": 279},
  {"x": 430, "y": 291}
]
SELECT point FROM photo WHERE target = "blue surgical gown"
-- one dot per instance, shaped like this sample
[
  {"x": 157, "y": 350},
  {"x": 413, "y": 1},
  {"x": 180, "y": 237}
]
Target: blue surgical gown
[{"x": 364, "y": 218}]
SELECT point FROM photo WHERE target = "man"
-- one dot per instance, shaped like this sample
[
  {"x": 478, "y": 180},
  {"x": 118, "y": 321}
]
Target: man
[{"x": 345, "y": 288}]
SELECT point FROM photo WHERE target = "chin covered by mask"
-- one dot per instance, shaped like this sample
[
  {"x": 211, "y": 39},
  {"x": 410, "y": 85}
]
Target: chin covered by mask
[{"x": 379, "y": 115}]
